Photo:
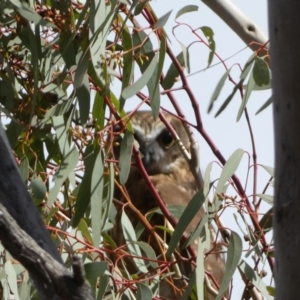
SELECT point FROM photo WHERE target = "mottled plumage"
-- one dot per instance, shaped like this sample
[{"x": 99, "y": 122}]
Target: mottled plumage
[{"x": 170, "y": 174}]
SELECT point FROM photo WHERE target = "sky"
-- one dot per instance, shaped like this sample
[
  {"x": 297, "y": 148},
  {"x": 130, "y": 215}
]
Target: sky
[{"x": 226, "y": 133}]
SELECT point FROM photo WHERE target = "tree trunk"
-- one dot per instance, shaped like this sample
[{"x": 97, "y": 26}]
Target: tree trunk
[{"x": 284, "y": 22}]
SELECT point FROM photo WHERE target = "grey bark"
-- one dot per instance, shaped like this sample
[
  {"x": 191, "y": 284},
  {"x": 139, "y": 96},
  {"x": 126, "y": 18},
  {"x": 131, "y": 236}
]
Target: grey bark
[
  {"x": 24, "y": 235},
  {"x": 16, "y": 199},
  {"x": 243, "y": 26},
  {"x": 51, "y": 278},
  {"x": 284, "y": 27}
]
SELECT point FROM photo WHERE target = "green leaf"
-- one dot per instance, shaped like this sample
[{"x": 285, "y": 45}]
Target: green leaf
[
  {"x": 81, "y": 70},
  {"x": 186, "y": 9},
  {"x": 248, "y": 66},
  {"x": 52, "y": 212},
  {"x": 101, "y": 17},
  {"x": 254, "y": 240},
  {"x": 204, "y": 243},
  {"x": 143, "y": 292},
  {"x": 217, "y": 90},
  {"x": 161, "y": 22},
  {"x": 229, "y": 169},
  {"x": 196, "y": 232},
  {"x": 103, "y": 286},
  {"x": 130, "y": 237},
  {"x": 109, "y": 210},
  {"x": 24, "y": 168},
  {"x": 59, "y": 109},
  {"x": 67, "y": 48},
  {"x": 24, "y": 287},
  {"x": 234, "y": 254},
  {"x": 251, "y": 275},
  {"x": 189, "y": 213},
  {"x": 141, "y": 38},
  {"x": 139, "y": 8},
  {"x": 125, "y": 156},
  {"x": 84, "y": 194},
  {"x": 271, "y": 290},
  {"x": 67, "y": 166},
  {"x": 209, "y": 34},
  {"x": 97, "y": 182},
  {"x": 155, "y": 94},
  {"x": 229, "y": 98},
  {"x": 188, "y": 291},
  {"x": 172, "y": 73},
  {"x": 268, "y": 198},
  {"x": 13, "y": 131},
  {"x": 270, "y": 170},
  {"x": 148, "y": 250},
  {"x": 83, "y": 95},
  {"x": 266, "y": 222},
  {"x": 130, "y": 91},
  {"x": 175, "y": 210},
  {"x": 6, "y": 94},
  {"x": 206, "y": 183},
  {"x": 95, "y": 269},
  {"x": 261, "y": 73},
  {"x": 266, "y": 104},
  {"x": 127, "y": 61},
  {"x": 247, "y": 94},
  {"x": 29, "y": 14},
  {"x": 61, "y": 134},
  {"x": 38, "y": 188},
  {"x": 263, "y": 87},
  {"x": 99, "y": 109},
  {"x": 144, "y": 64},
  {"x": 12, "y": 279},
  {"x": 186, "y": 57}
]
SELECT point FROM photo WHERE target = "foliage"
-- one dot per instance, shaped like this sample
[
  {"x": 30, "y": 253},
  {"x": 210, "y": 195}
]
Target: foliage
[{"x": 60, "y": 63}]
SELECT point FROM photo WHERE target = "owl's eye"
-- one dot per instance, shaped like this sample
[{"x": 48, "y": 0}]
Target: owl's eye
[{"x": 166, "y": 140}]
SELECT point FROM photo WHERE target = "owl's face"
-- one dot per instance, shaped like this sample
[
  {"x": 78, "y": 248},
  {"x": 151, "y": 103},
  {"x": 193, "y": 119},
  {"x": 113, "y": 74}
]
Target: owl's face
[{"x": 160, "y": 151}]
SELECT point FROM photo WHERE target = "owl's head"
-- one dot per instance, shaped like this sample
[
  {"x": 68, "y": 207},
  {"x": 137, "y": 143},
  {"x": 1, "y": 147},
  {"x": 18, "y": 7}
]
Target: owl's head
[{"x": 159, "y": 149}]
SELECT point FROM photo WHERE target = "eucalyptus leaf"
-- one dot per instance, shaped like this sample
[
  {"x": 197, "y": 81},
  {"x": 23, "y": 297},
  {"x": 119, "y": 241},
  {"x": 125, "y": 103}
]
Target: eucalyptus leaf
[
  {"x": 261, "y": 73},
  {"x": 186, "y": 9},
  {"x": 161, "y": 22},
  {"x": 234, "y": 254},
  {"x": 191, "y": 210},
  {"x": 38, "y": 188},
  {"x": 130, "y": 91},
  {"x": 125, "y": 156},
  {"x": 248, "y": 271},
  {"x": 66, "y": 167},
  {"x": 265, "y": 105},
  {"x": 217, "y": 90},
  {"x": 209, "y": 34},
  {"x": 97, "y": 182},
  {"x": 229, "y": 168},
  {"x": 130, "y": 237},
  {"x": 249, "y": 89},
  {"x": 83, "y": 95},
  {"x": 143, "y": 292},
  {"x": 267, "y": 198}
]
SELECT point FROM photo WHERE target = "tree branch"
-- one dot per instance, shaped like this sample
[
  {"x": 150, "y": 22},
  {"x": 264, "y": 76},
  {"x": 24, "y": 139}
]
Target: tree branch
[
  {"x": 24, "y": 235},
  {"x": 51, "y": 278},
  {"x": 245, "y": 28}
]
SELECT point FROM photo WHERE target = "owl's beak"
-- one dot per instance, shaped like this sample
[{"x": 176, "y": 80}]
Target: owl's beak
[{"x": 147, "y": 153}]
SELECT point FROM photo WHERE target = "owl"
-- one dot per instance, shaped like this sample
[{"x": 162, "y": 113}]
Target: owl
[{"x": 170, "y": 174}]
